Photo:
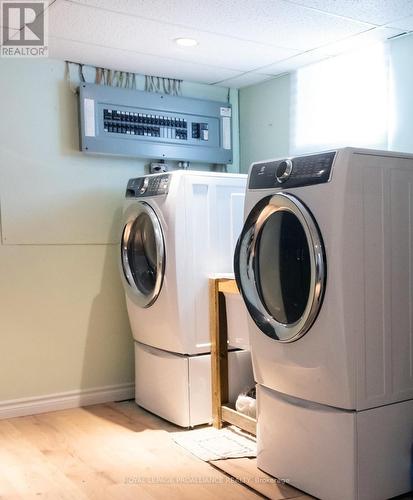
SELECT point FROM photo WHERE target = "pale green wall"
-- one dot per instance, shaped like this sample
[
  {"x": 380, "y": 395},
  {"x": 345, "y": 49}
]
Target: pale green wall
[
  {"x": 265, "y": 110},
  {"x": 264, "y": 121},
  {"x": 63, "y": 322},
  {"x": 401, "y": 130}
]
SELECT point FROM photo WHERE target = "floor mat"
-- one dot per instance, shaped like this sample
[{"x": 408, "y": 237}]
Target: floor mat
[{"x": 216, "y": 444}]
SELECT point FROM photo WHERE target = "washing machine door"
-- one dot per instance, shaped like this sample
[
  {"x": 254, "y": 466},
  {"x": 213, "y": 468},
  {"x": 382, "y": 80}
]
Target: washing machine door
[
  {"x": 280, "y": 267},
  {"x": 143, "y": 254}
]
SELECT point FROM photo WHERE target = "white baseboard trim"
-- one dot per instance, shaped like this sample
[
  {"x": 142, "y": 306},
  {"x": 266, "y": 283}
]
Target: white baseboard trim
[{"x": 63, "y": 401}]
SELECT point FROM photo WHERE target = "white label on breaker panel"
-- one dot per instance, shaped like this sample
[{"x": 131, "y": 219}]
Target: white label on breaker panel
[
  {"x": 89, "y": 114},
  {"x": 224, "y": 111},
  {"x": 226, "y": 132}
]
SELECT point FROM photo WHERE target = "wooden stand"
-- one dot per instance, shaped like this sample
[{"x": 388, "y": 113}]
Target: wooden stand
[{"x": 221, "y": 412}]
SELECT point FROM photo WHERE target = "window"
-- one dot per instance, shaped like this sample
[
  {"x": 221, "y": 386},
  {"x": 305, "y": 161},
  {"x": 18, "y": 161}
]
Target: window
[{"x": 341, "y": 101}]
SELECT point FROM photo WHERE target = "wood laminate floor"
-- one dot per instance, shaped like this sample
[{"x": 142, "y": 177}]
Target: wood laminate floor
[{"x": 114, "y": 451}]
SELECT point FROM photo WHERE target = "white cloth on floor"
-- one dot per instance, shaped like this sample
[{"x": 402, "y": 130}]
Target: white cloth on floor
[{"x": 215, "y": 444}]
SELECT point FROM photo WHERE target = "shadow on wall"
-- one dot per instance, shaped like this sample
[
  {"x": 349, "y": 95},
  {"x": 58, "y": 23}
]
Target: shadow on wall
[
  {"x": 69, "y": 119},
  {"x": 108, "y": 354}
]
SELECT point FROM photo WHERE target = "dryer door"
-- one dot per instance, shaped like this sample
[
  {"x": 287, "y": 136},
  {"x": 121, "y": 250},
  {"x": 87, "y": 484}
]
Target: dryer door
[
  {"x": 143, "y": 254},
  {"x": 280, "y": 267}
]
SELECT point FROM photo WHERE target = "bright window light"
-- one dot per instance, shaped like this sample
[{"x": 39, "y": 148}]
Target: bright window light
[
  {"x": 186, "y": 42},
  {"x": 341, "y": 101}
]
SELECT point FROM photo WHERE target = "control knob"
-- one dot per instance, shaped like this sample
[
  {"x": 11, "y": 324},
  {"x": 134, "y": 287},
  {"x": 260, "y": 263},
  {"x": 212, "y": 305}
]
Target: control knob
[
  {"x": 284, "y": 170},
  {"x": 144, "y": 186}
]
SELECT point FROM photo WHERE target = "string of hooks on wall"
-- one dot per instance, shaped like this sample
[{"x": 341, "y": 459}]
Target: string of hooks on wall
[
  {"x": 122, "y": 79},
  {"x": 101, "y": 76},
  {"x": 163, "y": 85}
]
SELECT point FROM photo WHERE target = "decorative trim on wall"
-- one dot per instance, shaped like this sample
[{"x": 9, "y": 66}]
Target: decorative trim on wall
[{"x": 72, "y": 399}]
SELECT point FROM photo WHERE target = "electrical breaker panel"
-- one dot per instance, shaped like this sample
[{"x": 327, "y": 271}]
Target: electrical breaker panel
[{"x": 148, "y": 125}]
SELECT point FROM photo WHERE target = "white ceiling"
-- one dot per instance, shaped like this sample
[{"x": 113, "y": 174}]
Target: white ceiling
[{"x": 241, "y": 42}]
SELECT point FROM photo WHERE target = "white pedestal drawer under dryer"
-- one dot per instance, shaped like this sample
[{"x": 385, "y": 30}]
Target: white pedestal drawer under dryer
[{"x": 325, "y": 267}]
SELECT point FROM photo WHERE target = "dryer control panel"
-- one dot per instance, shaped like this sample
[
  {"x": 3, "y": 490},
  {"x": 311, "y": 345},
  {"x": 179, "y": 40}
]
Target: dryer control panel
[
  {"x": 150, "y": 185},
  {"x": 292, "y": 172}
]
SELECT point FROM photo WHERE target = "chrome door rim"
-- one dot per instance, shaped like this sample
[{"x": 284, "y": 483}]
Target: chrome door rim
[
  {"x": 144, "y": 300},
  {"x": 246, "y": 269}
]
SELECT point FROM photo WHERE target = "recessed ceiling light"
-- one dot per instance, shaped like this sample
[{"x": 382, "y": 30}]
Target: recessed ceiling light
[{"x": 186, "y": 42}]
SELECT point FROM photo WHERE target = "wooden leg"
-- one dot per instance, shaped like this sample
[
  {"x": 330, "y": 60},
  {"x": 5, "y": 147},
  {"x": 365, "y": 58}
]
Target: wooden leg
[
  {"x": 219, "y": 351},
  {"x": 223, "y": 348}
]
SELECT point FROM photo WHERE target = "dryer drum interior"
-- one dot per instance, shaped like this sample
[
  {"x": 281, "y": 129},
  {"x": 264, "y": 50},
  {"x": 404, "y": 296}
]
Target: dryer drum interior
[
  {"x": 280, "y": 267},
  {"x": 143, "y": 255}
]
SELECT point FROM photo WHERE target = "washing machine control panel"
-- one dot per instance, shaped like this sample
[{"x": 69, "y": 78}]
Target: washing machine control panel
[
  {"x": 292, "y": 172},
  {"x": 150, "y": 185}
]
